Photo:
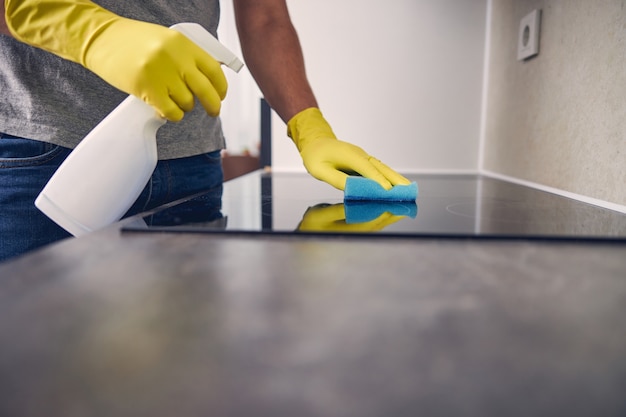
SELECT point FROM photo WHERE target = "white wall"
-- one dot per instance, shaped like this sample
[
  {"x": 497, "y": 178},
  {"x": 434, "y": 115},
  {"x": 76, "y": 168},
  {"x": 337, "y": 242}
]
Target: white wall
[
  {"x": 401, "y": 78},
  {"x": 241, "y": 110}
]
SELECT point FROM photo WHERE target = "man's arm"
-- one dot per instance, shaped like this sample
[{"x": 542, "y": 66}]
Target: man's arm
[
  {"x": 4, "y": 30},
  {"x": 272, "y": 52}
]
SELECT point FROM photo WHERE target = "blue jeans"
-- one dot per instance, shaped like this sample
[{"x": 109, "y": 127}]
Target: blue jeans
[{"x": 27, "y": 165}]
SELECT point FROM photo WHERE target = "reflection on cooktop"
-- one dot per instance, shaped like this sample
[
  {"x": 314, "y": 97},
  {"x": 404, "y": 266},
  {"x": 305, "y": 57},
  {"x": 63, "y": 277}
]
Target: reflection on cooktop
[{"x": 469, "y": 206}]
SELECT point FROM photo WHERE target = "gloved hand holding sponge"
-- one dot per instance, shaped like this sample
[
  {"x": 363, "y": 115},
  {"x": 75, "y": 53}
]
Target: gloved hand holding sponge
[
  {"x": 149, "y": 61},
  {"x": 329, "y": 159}
]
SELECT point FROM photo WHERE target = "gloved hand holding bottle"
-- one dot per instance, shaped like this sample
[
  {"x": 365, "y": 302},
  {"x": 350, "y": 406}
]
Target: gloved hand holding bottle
[
  {"x": 329, "y": 159},
  {"x": 152, "y": 62}
]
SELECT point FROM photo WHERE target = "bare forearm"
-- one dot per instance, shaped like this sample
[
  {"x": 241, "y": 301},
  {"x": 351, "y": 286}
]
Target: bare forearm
[
  {"x": 4, "y": 30},
  {"x": 272, "y": 52}
]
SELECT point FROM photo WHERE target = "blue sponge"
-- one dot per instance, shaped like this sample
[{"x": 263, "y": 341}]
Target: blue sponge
[{"x": 365, "y": 189}]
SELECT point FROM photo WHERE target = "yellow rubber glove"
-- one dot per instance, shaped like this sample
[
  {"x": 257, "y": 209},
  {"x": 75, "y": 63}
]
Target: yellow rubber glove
[
  {"x": 152, "y": 62},
  {"x": 332, "y": 218},
  {"x": 329, "y": 159}
]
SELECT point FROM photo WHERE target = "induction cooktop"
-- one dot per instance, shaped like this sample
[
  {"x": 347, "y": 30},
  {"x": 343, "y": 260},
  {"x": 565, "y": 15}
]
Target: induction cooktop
[{"x": 456, "y": 206}]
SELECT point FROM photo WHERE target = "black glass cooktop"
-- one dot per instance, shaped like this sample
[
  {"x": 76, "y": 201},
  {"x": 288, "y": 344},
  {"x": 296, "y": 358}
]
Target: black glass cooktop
[{"x": 459, "y": 206}]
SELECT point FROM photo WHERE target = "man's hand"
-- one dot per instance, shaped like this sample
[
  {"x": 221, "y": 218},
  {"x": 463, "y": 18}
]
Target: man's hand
[
  {"x": 331, "y": 160},
  {"x": 152, "y": 62},
  {"x": 158, "y": 65}
]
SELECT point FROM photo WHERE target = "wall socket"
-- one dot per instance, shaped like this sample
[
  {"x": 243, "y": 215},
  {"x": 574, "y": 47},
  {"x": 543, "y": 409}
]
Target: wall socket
[{"x": 528, "y": 39}]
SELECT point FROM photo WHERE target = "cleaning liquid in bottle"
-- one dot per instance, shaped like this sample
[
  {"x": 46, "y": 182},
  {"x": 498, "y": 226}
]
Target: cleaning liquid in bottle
[{"x": 104, "y": 175}]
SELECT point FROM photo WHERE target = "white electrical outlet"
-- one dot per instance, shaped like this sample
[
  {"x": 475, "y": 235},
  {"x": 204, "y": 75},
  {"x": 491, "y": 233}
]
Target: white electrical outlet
[{"x": 528, "y": 40}]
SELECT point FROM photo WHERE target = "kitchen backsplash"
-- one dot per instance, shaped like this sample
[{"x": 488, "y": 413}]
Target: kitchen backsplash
[{"x": 559, "y": 119}]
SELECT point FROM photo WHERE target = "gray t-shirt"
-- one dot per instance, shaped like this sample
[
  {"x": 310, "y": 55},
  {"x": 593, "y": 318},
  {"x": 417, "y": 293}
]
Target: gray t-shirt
[{"x": 47, "y": 98}]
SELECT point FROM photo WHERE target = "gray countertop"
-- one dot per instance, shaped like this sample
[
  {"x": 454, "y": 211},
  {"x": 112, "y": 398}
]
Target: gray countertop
[{"x": 158, "y": 324}]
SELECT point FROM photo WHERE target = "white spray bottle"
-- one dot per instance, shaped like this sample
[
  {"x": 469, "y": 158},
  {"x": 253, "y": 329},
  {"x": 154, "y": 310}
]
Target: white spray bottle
[{"x": 101, "y": 179}]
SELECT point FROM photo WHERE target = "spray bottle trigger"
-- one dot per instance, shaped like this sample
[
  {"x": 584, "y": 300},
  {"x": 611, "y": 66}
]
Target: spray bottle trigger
[{"x": 197, "y": 34}]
